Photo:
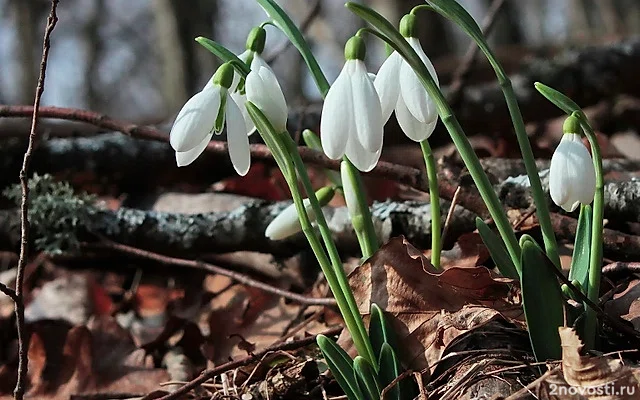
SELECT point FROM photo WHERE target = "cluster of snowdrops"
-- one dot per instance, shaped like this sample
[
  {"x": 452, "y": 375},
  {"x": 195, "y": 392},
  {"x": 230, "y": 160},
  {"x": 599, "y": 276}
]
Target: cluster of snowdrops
[{"x": 244, "y": 96}]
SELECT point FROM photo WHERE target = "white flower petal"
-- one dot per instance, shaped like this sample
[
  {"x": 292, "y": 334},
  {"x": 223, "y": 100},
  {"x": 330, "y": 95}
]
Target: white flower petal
[
  {"x": 287, "y": 222},
  {"x": 414, "y": 129},
  {"x": 258, "y": 62},
  {"x": 244, "y": 56},
  {"x": 195, "y": 120},
  {"x": 187, "y": 157},
  {"x": 415, "y": 95},
  {"x": 336, "y": 111},
  {"x": 263, "y": 90},
  {"x": 241, "y": 100},
  {"x": 571, "y": 174},
  {"x": 387, "y": 84},
  {"x": 367, "y": 111},
  {"x": 585, "y": 187},
  {"x": 361, "y": 158},
  {"x": 237, "y": 139}
]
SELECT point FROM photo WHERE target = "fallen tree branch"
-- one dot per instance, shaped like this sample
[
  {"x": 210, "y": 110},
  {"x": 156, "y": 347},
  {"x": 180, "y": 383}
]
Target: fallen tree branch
[
  {"x": 243, "y": 228},
  {"x": 199, "y": 265},
  {"x": 406, "y": 175}
]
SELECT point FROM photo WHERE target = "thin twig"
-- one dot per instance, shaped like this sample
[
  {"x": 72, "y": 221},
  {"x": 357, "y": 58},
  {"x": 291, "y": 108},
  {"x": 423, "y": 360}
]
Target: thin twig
[
  {"x": 399, "y": 173},
  {"x": 522, "y": 219},
  {"x": 462, "y": 72},
  {"x": 304, "y": 25},
  {"x": 447, "y": 220},
  {"x": 423, "y": 391},
  {"x": 19, "y": 390},
  {"x": 236, "y": 276},
  {"x": 617, "y": 322},
  {"x": 210, "y": 373},
  {"x": 8, "y": 291}
]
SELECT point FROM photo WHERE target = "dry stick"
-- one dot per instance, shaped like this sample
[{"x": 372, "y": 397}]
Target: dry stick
[
  {"x": 447, "y": 220},
  {"x": 210, "y": 373},
  {"x": 462, "y": 73},
  {"x": 238, "y": 277},
  {"x": 619, "y": 267},
  {"x": 8, "y": 291},
  {"x": 19, "y": 390},
  {"x": 401, "y": 174},
  {"x": 615, "y": 321}
]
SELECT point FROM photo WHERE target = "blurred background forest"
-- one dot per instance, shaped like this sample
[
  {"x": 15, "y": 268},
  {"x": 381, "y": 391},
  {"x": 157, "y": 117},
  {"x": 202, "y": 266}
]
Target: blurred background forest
[{"x": 137, "y": 60}]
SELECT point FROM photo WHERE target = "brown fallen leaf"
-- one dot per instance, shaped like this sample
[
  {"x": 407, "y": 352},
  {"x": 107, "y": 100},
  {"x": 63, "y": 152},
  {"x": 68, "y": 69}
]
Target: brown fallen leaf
[
  {"x": 429, "y": 308},
  {"x": 584, "y": 377},
  {"x": 65, "y": 361},
  {"x": 468, "y": 251},
  {"x": 242, "y": 314},
  {"x": 626, "y": 303}
]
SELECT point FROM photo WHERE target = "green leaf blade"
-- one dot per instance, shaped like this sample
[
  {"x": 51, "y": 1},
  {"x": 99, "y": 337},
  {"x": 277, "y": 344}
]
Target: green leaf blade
[
  {"x": 286, "y": 25},
  {"x": 225, "y": 55},
  {"x": 390, "y": 369},
  {"x": 367, "y": 378},
  {"x": 582, "y": 248},
  {"x": 497, "y": 250},
  {"x": 558, "y": 98},
  {"x": 543, "y": 302},
  {"x": 341, "y": 366}
]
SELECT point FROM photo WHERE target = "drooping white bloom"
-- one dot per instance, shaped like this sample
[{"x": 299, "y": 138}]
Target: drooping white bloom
[
  {"x": 287, "y": 223},
  {"x": 351, "y": 121},
  {"x": 206, "y": 113},
  {"x": 263, "y": 90},
  {"x": 572, "y": 177},
  {"x": 400, "y": 90}
]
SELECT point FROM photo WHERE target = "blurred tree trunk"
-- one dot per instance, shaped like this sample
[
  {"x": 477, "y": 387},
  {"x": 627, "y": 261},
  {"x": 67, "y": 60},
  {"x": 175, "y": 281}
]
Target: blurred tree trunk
[
  {"x": 26, "y": 15},
  {"x": 94, "y": 52},
  {"x": 171, "y": 55},
  {"x": 195, "y": 18}
]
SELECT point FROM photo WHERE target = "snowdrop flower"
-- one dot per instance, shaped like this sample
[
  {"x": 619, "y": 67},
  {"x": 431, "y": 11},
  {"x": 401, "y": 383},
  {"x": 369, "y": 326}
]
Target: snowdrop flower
[
  {"x": 351, "y": 121},
  {"x": 205, "y": 114},
  {"x": 287, "y": 223},
  {"x": 252, "y": 57},
  {"x": 400, "y": 89},
  {"x": 572, "y": 176},
  {"x": 263, "y": 90}
]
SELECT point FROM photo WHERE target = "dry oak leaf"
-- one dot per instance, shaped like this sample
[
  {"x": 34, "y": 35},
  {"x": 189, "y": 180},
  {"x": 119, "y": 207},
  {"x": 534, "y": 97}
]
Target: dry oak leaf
[
  {"x": 428, "y": 308},
  {"x": 584, "y": 377}
]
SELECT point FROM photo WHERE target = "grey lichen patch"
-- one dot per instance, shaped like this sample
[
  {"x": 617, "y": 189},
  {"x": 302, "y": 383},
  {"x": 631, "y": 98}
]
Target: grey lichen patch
[{"x": 56, "y": 212}]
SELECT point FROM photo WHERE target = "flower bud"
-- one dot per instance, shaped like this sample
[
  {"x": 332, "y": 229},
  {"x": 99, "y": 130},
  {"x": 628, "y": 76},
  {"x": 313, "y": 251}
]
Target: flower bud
[
  {"x": 287, "y": 223},
  {"x": 256, "y": 39}
]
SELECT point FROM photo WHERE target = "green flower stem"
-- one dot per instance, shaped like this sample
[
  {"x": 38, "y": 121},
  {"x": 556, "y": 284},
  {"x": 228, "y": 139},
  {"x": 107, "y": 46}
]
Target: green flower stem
[
  {"x": 283, "y": 22},
  {"x": 434, "y": 199},
  {"x": 356, "y": 326},
  {"x": 313, "y": 141},
  {"x": 281, "y": 143},
  {"x": 334, "y": 272},
  {"x": 390, "y": 34},
  {"x": 363, "y": 223},
  {"x": 453, "y": 11},
  {"x": 595, "y": 261}
]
